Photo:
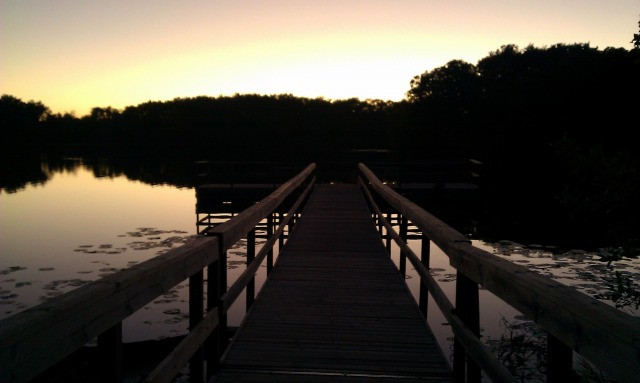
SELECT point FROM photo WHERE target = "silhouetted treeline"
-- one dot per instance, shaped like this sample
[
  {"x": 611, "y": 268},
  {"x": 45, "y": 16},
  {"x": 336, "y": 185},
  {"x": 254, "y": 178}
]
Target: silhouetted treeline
[
  {"x": 231, "y": 128},
  {"x": 553, "y": 127}
]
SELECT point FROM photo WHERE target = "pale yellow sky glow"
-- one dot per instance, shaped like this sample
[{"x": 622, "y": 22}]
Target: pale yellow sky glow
[{"x": 74, "y": 55}]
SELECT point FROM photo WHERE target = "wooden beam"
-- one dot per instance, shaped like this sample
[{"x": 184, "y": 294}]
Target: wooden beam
[
  {"x": 175, "y": 361},
  {"x": 465, "y": 336},
  {"x": 39, "y": 337},
  {"x": 577, "y": 320},
  {"x": 243, "y": 280},
  {"x": 110, "y": 351},
  {"x": 234, "y": 230}
]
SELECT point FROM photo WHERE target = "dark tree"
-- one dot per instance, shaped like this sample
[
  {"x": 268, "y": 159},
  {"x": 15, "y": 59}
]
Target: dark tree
[{"x": 636, "y": 38}]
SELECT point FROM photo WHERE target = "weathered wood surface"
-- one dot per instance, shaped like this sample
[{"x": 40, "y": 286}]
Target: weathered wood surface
[
  {"x": 472, "y": 344},
  {"x": 607, "y": 337},
  {"x": 334, "y": 308},
  {"x": 267, "y": 248}
]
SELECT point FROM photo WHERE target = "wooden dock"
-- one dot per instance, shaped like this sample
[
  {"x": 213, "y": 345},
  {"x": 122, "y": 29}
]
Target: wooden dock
[{"x": 335, "y": 308}]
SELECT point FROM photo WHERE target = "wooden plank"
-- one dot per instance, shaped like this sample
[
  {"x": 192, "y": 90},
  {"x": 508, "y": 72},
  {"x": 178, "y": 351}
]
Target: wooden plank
[
  {"x": 606, "y": 336},
  {"x": 334, "y": 305},
  {"x": 37, "y": 338},
  {"x": 267, "y": 248}
]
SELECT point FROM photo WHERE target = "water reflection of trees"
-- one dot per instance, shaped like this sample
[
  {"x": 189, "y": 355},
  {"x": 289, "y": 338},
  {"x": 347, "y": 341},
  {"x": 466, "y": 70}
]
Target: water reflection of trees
[{"x": 550, "y": 125}]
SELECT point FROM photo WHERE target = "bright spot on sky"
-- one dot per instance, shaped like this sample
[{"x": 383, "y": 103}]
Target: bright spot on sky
[{"x": 73, "y": 55}]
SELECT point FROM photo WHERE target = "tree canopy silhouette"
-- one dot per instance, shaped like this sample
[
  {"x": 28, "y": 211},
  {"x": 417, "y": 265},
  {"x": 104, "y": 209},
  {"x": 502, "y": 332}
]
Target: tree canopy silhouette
[{"x": 539, "y": 118}]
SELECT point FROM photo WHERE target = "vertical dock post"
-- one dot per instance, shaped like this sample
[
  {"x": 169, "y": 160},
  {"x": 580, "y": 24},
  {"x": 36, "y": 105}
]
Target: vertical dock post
[
  {"x": 196, "y": 308},
  {"x": 213, "y": 297},
  {"x": 468, "y": 310},
  {"x": 560, "y": 361},
  {"x": 269, "y": 234},
  {"x": 251, "y": 254},
  {"x": 110, "y": 350},
  {"x": 425, "y": 258},
  {"x": 388, "y": 237},
  {"x": 403, "y": 235}
]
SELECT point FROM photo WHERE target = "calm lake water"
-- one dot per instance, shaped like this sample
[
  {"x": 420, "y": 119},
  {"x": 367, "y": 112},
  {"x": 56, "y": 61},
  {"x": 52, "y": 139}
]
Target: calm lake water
[{"x": 77, "y": 227}]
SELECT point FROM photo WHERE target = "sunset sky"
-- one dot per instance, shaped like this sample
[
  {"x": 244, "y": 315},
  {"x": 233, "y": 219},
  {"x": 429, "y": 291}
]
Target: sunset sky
[{"x": 73, "y": 55}]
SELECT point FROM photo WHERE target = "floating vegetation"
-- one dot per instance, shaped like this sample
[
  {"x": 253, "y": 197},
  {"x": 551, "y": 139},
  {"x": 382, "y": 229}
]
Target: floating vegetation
[
  {"x": 522, "y": 348},
  {"x": 171, "y": 311},
  {"x": 61, "y": 286},
  {"x": 151, "y": 231},
  {"x": 622, "y": 292},
  {"x": 7, "y": 297},
  {"x": 447, "y": 278},
  {"x": 65, "y": 283},
  {"x": 101, "y": 249},
  {"x": 46, "y": 269},
  {"x": 153, "y": 240},
  {"x": 234, "y": 264},
  {"x": 21, "y": 284},
  {"x": 609, "y": 274},
  {"x": 11, "y": 269}
]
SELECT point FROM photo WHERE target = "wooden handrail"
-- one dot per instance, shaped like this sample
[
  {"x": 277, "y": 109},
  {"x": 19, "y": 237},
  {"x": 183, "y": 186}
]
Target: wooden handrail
[
  {"x": 169, "y": 368},
  {"x": 480, "y": 353},
  {"x": 605, "y": 336},
  {"x": 228, "y": 234},
  {"x": 235, "y": 229},
  {"x": 249, "y": 273},
  {"x": 39, "y": 337}
]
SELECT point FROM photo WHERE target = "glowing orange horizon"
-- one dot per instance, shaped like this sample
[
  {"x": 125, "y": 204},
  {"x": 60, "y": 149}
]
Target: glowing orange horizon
[{"x": 74, "y": 57}]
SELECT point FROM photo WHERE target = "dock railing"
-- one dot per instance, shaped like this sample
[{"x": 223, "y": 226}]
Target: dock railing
[
  {"x": 36, "y": 339},
  {"x": 573, "y": 321}
]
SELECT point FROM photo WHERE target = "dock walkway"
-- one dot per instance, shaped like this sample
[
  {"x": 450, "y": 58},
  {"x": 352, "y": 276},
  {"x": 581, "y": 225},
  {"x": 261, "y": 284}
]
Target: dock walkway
[{"x": 335, "y": 309}]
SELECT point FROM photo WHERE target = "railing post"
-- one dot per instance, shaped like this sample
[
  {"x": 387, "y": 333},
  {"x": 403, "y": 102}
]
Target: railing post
[
  {"x": 281, "y": 237},
  {"x": 290, "y": 225},
  {"x": 269, "y": 234},
  {"x": 388, "y": 238},
  {"x": 251, "y": 254},
  {"x": 559, "y": 361},
  {"x": 196, "y": 299},
  {"x": 403, "y": 235},
  {"x": 110, "y": 350},
  {"x": 468, "y": 310},
  {"x": 425, "y": 258},
  {"x": 222, "y": 289},
  {"x": 213, "y": 297}
]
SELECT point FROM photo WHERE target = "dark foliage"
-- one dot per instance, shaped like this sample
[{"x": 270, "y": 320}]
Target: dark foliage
[{"x": 553, "y": 127}]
